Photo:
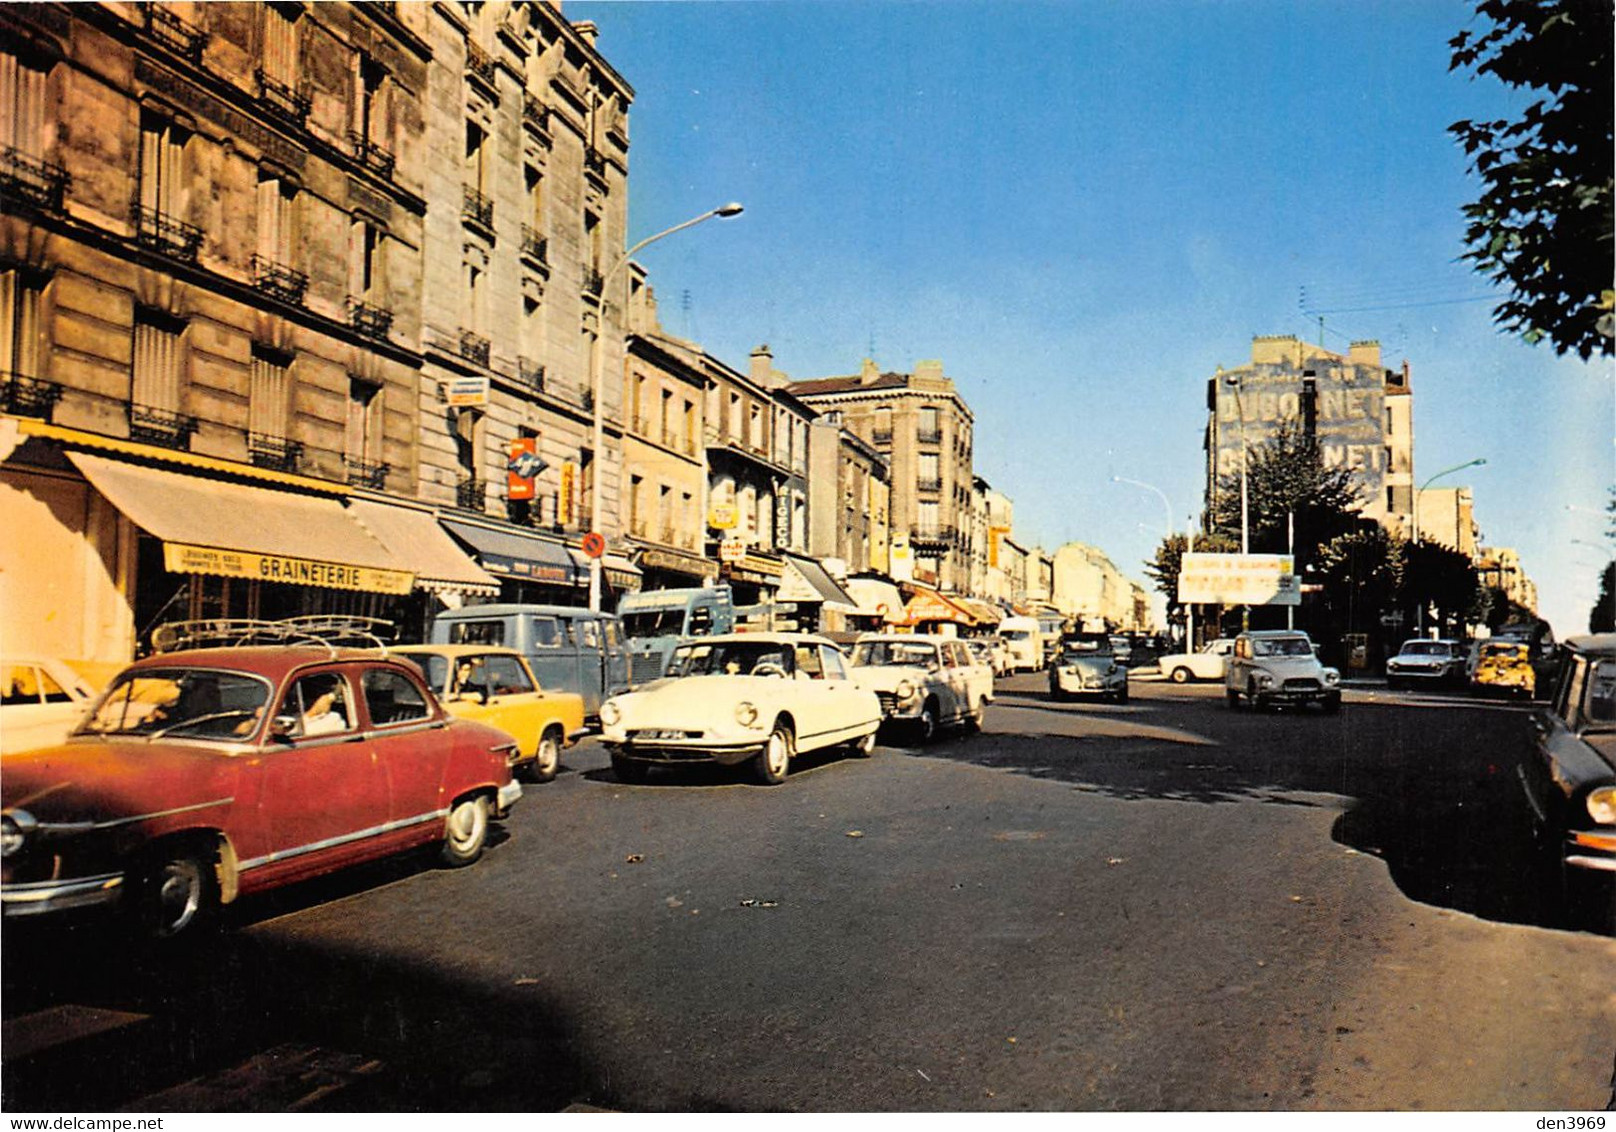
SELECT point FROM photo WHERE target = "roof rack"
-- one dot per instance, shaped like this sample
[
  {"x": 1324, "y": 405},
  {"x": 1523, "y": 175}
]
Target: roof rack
[{"x": 317, "y": 630}]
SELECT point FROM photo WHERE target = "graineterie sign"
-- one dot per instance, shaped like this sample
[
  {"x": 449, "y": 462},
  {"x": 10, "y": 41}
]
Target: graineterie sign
[{"x": 181, "y": 558}]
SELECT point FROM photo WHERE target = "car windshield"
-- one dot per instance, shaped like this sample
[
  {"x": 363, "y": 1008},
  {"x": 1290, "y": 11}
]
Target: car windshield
[
  {"x": 1281, "y": 646},
  {"x": 197, "y": 703},
  {"x": 1085, "y": 646},
  {"x": 654, "y": 622},
  {"x": 732, "y": 658},
  {"x": 1426, "y": 648},
  {"x": 869, "y": 654},
  {"x": 1600, "y": 710},
  {"x": 1504, "y": 651}
]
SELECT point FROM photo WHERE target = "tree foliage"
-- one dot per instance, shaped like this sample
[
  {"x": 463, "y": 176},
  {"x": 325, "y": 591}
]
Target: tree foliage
[
  {"x": 1602, "y": 617},
  {"x": 1439, "y": 576},
  {"x": 1286, "y": 477},
  {"x": 1543, "y": 223}
]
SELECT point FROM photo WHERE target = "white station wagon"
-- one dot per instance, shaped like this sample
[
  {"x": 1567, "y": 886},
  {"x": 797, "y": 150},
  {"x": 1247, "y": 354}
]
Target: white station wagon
[
  {"x": 924, "y": 682},
  {"x": 761, "y": 698}
]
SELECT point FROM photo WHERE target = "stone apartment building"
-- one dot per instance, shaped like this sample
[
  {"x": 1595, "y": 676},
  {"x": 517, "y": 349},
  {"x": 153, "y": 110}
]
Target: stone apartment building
[
  {"x": 323, "y": 265},
  {"x": 1361, "y": 413},
  {"x": 849, "y": 496},
  {"x": 923, "y": 428},
  {"x": 1447, "y": 515}
]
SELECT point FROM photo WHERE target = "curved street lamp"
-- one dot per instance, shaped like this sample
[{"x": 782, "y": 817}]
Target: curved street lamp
[
  {"x": 596, "y": 379},
  {"x": 1414, "y": 517},
  {"x": 1162, "y": 495}
]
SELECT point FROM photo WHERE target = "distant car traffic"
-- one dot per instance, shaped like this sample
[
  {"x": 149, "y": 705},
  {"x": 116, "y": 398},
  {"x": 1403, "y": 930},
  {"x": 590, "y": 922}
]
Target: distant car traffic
[
  {"x": 41, "y": 701},
  {"x": 1278, "y": 666},
  {"x": 203, "y": 775},
  {"x": 1427, "y": 662},
  {"x": 1086, "y": 664},
  {"x": 1570, "y": 783},
  {"x": 983, "y": 652},
  {"x": 758, "y": 698},
  {"x": 1504, "y": 667},
  {"x": 1208, "y": 664},
  {"x": 496, "y": 687},
  {"x": 923, "y": 682}
]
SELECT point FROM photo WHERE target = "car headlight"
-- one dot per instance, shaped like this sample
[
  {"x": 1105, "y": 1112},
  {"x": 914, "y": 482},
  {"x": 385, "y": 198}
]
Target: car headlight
[
  {"x": 1602, "y": 805},
  {"x": 1264, "y": 680},
  {"x": 14, "y": 830},
  {"x": 746, "y": 713},
  {"x": 610, "y": 714},
  {"x": 1331, "y": 676},
  {"x": 904, "y": 690}
]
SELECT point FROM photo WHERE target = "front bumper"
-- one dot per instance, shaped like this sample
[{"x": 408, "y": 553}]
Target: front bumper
[
  {"x": 41, "y": 898},
  {"x": 667, "y": 752},
  {"x": 508, "y": 796},
  {"x": 1593, "y": 849}
]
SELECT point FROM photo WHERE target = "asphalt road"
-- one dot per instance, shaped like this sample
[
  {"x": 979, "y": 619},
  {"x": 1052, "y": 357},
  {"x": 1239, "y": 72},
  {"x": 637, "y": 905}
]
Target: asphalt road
[{"x": 1159, "y": 906}]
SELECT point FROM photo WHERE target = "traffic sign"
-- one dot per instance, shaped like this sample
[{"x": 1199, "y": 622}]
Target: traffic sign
[{"x": 594, "y": 544}]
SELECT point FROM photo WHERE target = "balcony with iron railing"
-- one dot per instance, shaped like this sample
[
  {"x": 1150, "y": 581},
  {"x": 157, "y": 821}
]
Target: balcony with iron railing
[
  {"x": 275, "y": 452},
  {"x": 174, "y": 33},
  {"x": 933, "y": 536},
  {"x": 371, "y": 154},
  {"x": 535, "y": 247},
  {"x": 24, "y": 396},
  {"x": 479, "y": 64},
  {"x": 278, "y": 281},
  {"x": 282, "y": 99},
  {"x": 477, "y": 207},
  {"x": 471, "y": 493},
  {"x": 27, "y": 180},
  {"x": 163, "y": 427},
  {"x": 530, "y": 373},
  {"x": 929, "y": 483},
  {"x": 369, "y": 320},
  {"x": 158, "y": 231},
  {"x": 474, "y": 347},
  {"x": 928, "y": 435},
  {"x": 366, "y": 473}
]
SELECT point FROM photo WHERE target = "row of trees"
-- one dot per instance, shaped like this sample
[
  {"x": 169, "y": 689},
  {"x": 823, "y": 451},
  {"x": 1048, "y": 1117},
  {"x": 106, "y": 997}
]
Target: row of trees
[{"x": 1358, "y": 579}]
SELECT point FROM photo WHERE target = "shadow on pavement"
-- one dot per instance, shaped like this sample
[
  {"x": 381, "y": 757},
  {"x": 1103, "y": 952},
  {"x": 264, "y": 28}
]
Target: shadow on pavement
[
  {"x": 222, "y": 1010},
  {"x": 1430, "y": 790}
]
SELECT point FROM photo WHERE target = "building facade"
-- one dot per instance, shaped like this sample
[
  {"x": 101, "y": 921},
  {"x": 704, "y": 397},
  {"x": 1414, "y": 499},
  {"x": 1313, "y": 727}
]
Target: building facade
[
  {"x": 1447, "y": 515},
  {"x": 923, "y": 428},
  {"x": 1361, "y": 414},
  {"x": 849, "y": 494}
]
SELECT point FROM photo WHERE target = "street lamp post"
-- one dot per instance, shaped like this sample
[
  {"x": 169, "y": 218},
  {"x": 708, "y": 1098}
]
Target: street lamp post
[
  {"x": 1235, "y": 383},
  {"x": 1414, "y": 523},
  {"x": 597, "y": 361}
]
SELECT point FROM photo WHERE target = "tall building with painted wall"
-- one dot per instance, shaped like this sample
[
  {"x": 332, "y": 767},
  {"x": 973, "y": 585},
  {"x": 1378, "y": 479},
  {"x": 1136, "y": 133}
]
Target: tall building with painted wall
[{"x": 1361, "y": 413}]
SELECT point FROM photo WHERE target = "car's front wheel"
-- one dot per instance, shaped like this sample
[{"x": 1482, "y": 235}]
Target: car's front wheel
[
  {"x": 1181, "y": 675},
  {"x": 466, "y": 832},
  {"x": 926, "y": 724},
  {"x": 773, "y": 762},
  {"x": 176, "y": 893}
]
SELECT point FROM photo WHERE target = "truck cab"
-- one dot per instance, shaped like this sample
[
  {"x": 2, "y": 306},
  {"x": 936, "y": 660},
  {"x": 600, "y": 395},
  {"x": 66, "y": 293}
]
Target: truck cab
[{"x": 655, "y": 621}]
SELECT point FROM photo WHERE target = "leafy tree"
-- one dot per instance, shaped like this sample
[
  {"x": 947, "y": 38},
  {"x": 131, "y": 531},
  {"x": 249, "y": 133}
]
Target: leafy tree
[
  {"x": 1436, "y": 575},
  {"x": 1602, "y": 618},
  {"x": 1361, "y": 575},
  {"x": 1286, "y": 476},
  {"x": 1542, "y": 225}
]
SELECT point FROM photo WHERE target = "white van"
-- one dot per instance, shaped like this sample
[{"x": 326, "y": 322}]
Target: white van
[{"x": 1024, "y": 638}]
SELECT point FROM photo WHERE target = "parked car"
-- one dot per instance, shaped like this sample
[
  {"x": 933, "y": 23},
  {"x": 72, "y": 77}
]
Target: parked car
[
  {"x": 1504, "y": 667},
  {"x": 1023, "y": 640},
  {"x": 496, "y": 687},
  {"x": 1279, "y": 666},
  {"x": 201, "y": 776},
  {"x": 569, "y": 649},
  {"x": 983, "y": 652},
  {"x": 924, "y": 682},
  {"x": 41, "y": 701},
  {"x": 762, "y": 698},
  {"x": 1570, "y": 780},
  {"x": 1122, "y": 649},
  {"x": 1086, "y": 664},
  {"x": 1422, "y": 661},
  {"x": 1207, "y": 664}
]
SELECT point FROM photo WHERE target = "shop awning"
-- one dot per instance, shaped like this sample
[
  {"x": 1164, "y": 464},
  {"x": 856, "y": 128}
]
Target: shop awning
[
  {"x": 985, "y": 613},
  {"x": 877, "y": 598},
  {"x": 414, "y": 536},
  {"x": 211, "y": 526},
  {"x": 620, "y": 574},
  {"x": 804, "y": 580},
  {"x": 930, "y": 605},
  {"x": 513, "y": 555}
]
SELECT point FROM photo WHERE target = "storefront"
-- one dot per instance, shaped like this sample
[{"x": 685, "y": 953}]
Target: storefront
[
  {"x": 671, "y": 570},
  {"x": 821, "y": 604},
  {"x": 931, "y": 611},
  {"x": 445, "y": 576},
  {"x": 753, "y": 577},
  {"x": 529, "y": 568}
]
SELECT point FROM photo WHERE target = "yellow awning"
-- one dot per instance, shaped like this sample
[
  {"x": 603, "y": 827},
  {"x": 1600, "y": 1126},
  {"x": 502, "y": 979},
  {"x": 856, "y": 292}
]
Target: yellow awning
[{"x": 235, "y": 530}]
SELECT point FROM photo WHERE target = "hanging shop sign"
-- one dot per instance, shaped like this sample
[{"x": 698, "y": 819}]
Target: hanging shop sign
[
  {"x": 1239, "y": 579},
  {"x": 466, "y": 392}
]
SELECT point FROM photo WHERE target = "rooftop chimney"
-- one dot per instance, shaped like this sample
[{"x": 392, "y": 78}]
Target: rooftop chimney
[
  {"x": 869, "y": 372},
  {"x": 762, "y": 370}
]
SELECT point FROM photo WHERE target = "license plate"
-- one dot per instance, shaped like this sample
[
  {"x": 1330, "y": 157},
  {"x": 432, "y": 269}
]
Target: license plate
[{"x": 659, "y": 734}]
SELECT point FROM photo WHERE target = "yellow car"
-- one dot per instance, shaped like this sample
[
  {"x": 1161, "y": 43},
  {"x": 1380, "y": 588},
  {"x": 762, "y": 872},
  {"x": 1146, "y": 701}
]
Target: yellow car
[
  {"x": 1504, "y": 666},
  {"x": 495, "y": 686}
]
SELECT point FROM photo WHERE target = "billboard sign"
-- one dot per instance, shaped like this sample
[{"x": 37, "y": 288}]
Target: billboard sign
[{"x": 1239, "y": 579}]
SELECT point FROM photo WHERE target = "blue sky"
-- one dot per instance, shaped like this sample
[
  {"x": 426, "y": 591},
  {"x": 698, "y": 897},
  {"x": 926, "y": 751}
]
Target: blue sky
[{"x": 1082, "y": 209}]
